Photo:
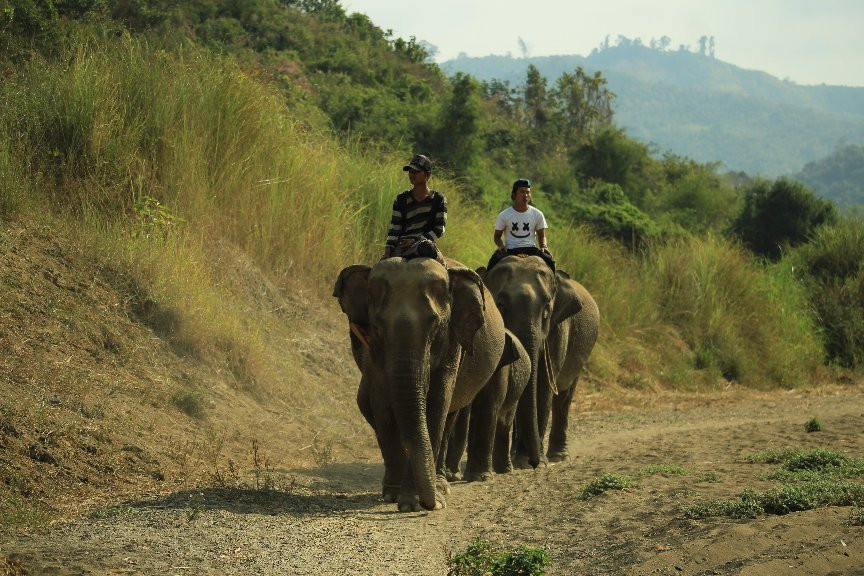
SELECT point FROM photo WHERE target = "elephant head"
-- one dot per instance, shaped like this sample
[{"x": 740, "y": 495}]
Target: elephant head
[
  {"x": 532, "y": 300},
  {"x": 416, "y": 318}
]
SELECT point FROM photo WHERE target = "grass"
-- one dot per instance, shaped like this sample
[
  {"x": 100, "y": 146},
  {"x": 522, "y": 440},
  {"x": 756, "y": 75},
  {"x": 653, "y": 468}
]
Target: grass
[
  {"x": 664, "y": 470},
  {"x": 480, "y": 559},
  {"x": 812, "y": 478},
  {"x": 605, "y": 482}
]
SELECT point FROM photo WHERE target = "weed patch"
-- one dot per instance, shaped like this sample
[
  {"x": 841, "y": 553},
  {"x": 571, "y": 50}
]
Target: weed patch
[
  {"x": 664, "y": 470},
  {"x": 605, "y": 482},
  {"x": 813, "y": 425},
  {"x": 480, "y": 559}
]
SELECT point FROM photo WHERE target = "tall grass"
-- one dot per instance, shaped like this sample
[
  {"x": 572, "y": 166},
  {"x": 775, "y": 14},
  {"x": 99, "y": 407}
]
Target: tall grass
[
  {"x": 832, "y": 267},
  {"x": 749, "y": 323},
  {"x": 116, "y": 125}
]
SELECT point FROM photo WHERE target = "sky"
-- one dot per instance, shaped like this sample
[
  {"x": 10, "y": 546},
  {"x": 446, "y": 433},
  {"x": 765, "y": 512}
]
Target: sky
[{"x": 805, "y": 41}]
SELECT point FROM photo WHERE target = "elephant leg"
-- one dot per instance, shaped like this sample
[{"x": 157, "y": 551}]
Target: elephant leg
[
  {"x": 456, "y": 444},
  {"x": 437, "y": 404},
  {"x": 481, "y": 430},
  {"x": 544, "y": 408},
  {"x": 379, "y": 414},
  {"x": 501, "y": 461},
  {"x": 446, "y": 443},
  {"x": 558, "y": 430}
]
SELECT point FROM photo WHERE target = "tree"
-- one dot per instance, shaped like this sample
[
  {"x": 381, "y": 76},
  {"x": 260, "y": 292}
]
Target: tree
[
  {"x": 458, "y": 132},
  {"x": 583, "y": 105},
  {"x": 781, "y": 214}
]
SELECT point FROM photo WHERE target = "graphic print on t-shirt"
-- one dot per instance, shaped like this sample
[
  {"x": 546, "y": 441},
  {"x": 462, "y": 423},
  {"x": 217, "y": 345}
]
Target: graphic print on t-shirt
[{"x": 526, "y": 227}]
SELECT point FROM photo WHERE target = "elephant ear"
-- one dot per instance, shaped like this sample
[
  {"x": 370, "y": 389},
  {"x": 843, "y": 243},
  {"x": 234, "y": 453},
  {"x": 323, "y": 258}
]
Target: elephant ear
[
  {"x": 350, "y": 289},
  {"x": 468, "y": 305},
  {"x": 511, "y": 349},
  {"x": 567, "y": 300}
]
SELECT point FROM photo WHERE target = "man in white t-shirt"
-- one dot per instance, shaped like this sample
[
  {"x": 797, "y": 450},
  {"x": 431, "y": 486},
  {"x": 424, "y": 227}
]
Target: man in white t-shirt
[{"x": 521, "y": 228}]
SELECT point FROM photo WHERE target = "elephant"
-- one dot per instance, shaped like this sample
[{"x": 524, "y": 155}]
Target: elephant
[
  {"x": 557, "y": 321},
  {"x": 426, "y": 339},
  {"x": 485, "y": 427}
]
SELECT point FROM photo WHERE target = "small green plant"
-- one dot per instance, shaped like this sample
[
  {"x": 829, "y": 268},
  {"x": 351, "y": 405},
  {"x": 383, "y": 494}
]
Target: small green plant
[
  {"x": 813, "y": 425},
  {"x": 711, "y": 477},
  {"x": 856, "y": 517},
  {"x": 664, "y": 470},
  {"x": 196, "y": 506},
  {"x": 607, "y": 481},
  {"x": 152, "y": 218},
  {"x": 322, "y": 453},
  {"x": 480, "y": 559},
  {"x": 190, "y": 402}
]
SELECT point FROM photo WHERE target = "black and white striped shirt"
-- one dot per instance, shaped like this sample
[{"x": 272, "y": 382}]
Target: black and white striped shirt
[{"x": 426, "y": 218}]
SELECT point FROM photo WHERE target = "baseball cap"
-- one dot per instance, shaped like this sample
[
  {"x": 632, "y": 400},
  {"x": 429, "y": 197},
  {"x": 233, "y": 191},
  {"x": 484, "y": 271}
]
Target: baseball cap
[
  {"x": 521, "y": 183},
  {"x": 418, "y": 162}
]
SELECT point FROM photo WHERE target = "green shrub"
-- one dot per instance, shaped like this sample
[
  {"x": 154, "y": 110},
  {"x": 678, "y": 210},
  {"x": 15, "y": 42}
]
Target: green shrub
[
  {"x": 813, "y": 425},
  {"x": 480, "y": 559},
  {"x": 607, "y": 481},
  {"x": 779, "y": 214},
  {"x": 832, "y": 269}
]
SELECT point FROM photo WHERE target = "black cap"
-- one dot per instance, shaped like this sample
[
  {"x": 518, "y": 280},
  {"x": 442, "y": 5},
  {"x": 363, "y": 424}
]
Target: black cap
[
  {"x": 521, "y": 183},
  {"x": 418, "y": 162}
]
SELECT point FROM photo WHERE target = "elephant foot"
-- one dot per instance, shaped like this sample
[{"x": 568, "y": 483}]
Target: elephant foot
[
  {"x": 453, "y": 476},
  {"x": 524, "y": 462},
  {"x": 390, "y": 492},
  {"x": 484, "y": 476},
  {"x": 442, "y": 486},
  {"x": 558, "y": 455},
  {"x": 504, "y": 468}
]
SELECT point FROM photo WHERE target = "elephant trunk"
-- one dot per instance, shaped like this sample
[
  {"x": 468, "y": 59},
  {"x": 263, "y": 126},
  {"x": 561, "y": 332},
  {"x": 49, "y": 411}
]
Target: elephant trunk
[
  {"x": 526, "y": 410},
  {"x": 410, "y": 381}
]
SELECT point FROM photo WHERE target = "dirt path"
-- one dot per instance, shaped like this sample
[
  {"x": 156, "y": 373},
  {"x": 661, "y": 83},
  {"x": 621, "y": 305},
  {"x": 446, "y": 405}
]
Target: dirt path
[{"x": 331, "y": 520}]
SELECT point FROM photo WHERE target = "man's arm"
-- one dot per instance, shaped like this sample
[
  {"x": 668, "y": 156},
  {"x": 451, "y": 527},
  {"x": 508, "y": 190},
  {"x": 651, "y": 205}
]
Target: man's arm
[
  {"x": 497, "y": 238},
  {"x": 541, "y": 240},
  {"x": 395, "y": 230}
]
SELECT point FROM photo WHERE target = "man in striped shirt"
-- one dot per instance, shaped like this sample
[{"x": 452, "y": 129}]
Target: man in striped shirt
[{"x": 419, "y": 215}]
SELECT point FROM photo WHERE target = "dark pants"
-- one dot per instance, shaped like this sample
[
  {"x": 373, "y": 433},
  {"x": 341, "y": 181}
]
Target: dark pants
[{"x": 532, "y": 250}]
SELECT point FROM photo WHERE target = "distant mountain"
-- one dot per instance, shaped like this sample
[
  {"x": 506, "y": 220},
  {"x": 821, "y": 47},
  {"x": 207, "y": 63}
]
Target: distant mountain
[
  {"x": 700, "y": 107},
  {"x": 839, "y": 176}
]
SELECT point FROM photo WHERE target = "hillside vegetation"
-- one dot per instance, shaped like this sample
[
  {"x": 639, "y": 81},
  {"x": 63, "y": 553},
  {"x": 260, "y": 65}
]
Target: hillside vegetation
[
  {"x": 699, "y": 106},
  {"x": 184, "y": 201}
]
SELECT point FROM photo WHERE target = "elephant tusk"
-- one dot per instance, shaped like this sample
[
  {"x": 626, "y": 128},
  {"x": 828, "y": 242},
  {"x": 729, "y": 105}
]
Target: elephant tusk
[{"x": 359, "y": 333}]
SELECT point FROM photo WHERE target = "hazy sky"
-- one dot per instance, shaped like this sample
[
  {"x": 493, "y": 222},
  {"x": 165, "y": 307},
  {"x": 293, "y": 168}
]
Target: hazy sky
[{"x": 806, "y": 41}]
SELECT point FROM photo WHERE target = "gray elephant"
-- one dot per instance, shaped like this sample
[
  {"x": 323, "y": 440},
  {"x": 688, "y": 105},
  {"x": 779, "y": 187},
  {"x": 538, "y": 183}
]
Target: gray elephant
[
  {"x": 427, "y": 339},
  {"x": 485, "y": 427},
  {"x": 556, "y": 320}
]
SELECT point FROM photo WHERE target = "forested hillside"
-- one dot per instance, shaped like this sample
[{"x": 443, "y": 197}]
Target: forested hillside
[{"x": 698, "y": 106}]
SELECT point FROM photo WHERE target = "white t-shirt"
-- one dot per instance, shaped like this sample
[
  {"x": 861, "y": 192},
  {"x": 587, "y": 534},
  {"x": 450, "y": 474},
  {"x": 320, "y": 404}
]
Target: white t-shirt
[{"x": 520, "y": 228}]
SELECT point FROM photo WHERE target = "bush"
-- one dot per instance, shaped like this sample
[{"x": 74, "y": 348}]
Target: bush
[
  {"x": 781, "y": 214},
  {"x": 832, "y": 269},
  {"x": 479, "y": 559}
]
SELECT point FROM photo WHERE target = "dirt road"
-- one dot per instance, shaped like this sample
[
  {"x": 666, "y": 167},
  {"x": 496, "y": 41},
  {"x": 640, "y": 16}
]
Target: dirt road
[{"x": 330, "y": 520}]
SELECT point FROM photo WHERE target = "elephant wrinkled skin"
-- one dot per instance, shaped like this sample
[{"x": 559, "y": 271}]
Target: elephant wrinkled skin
[{"x": 426, "y": 339}]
